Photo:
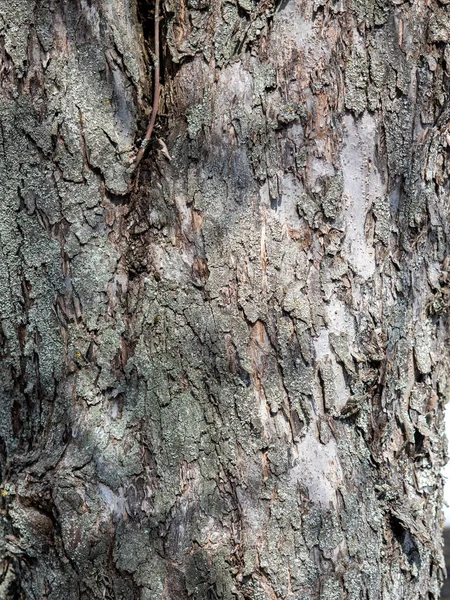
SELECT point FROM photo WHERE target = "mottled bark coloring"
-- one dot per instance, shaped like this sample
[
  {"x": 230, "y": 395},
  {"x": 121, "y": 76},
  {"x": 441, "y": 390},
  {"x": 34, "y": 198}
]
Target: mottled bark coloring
[{"x": 223, "y": 373}]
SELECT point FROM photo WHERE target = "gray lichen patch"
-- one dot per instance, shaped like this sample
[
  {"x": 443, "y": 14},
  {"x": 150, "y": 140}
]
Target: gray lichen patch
[
  {"x": 332, "y": 200},
  {"x": 15, "y": 21},
  {"x": 356, "y": 78}
]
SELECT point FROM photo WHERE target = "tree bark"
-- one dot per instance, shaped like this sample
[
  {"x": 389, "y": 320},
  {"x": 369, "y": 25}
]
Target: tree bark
[{"x": 223, "y": 373}]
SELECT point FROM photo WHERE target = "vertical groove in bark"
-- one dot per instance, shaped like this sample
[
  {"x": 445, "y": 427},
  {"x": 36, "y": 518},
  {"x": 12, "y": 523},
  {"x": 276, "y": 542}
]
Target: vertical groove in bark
[{"x": 229, "y": 382}]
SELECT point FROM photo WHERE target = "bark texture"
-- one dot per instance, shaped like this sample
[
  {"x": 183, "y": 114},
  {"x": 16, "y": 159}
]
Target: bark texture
[{"x": 222, "y": 376}]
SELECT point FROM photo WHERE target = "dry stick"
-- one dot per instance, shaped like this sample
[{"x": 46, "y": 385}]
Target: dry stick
[{"x": 157, "y": 88}]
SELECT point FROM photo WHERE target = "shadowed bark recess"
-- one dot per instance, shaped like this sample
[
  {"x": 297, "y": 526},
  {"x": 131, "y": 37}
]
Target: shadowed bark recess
[{"x": 223, "y": 373}]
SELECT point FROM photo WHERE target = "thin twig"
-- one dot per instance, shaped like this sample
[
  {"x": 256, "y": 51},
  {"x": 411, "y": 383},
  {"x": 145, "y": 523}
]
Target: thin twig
[{"x": 156, "y": 91}]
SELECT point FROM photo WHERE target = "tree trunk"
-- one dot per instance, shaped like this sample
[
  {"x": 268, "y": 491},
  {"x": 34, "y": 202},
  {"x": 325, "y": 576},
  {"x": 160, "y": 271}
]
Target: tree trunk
[{"x": 223, "y": 372}]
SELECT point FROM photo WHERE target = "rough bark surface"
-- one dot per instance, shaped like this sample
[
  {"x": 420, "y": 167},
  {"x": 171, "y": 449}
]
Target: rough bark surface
[{"x": 222, "y": 376}]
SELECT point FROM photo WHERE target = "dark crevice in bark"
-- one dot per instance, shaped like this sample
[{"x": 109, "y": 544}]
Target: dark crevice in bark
[
  {"x": 406, "y": 541},
  {"x": 167, "y": 68}
]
